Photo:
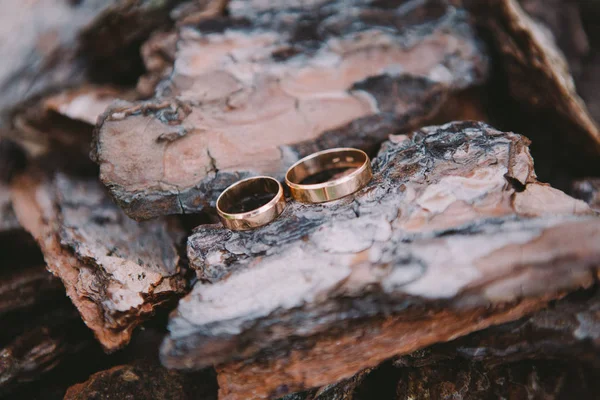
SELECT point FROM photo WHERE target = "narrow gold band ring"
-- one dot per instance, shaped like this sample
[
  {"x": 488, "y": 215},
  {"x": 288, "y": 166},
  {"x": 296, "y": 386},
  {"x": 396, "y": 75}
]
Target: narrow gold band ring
[
  {"x": 324, "y": 161},
  {"x": 230, "y": 203}
]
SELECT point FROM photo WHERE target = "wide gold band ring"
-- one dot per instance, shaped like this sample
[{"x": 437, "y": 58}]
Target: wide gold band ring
[
  {"x": 327, "y": 160},
  {"x": 251, "y": 203}
]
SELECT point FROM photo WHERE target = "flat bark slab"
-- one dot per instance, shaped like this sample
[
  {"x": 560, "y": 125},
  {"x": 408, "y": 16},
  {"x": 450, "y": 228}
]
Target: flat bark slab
[
  {"x": 254, "y": 92},
  {"x": 115, "y": 271},
  {"x": 145, "y": 380},
  {"x": 453, "y": 234}
]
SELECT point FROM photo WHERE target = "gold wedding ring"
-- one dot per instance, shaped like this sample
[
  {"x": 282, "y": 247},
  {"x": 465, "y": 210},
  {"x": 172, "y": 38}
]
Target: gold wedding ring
[
  {"x": 251, "y": 203},
  {"x": 327, "y": 160}
]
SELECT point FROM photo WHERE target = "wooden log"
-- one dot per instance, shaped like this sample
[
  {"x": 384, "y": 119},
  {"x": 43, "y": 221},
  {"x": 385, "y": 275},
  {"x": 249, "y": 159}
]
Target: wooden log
[
  {"x": 452, "y": 235},
  {"x": 251, "y": 93},
  {"x": 115, "y": 270},
  {"x": 145, "y": 380}
]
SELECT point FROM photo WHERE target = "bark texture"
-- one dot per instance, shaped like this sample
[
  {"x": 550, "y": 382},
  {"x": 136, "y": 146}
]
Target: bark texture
[
  {"x": 253, "y": 92},
  {"x": 145, "y": 380},
  {"x": 453, "y": 222},
  {"x": 115, "y": 270},
  {"x": 53, "y": 44}
]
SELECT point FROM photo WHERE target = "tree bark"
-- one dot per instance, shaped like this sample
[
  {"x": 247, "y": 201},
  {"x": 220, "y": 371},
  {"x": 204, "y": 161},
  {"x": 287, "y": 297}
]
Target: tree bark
[
  {"x": 145, "y": 380},
  {"x": 253, "y": 92},
  {"x": 115, "y": 271},
  {"x": 552, "y": 354},
  {"x": 452, "y": 235}
]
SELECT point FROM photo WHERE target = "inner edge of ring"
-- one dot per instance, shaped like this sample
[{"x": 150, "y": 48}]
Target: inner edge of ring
[
  {"x": 330, "y": 183},
  {"x": 256, "y": 211}
]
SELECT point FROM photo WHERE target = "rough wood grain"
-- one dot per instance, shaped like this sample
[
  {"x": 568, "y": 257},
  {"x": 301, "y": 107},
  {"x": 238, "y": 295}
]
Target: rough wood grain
[
  {"x": 253, "y": 92},
  {"x": 116, "y": 271},
  {"x": 452, "y": 235},
  {"x": 145, "y": 380}
]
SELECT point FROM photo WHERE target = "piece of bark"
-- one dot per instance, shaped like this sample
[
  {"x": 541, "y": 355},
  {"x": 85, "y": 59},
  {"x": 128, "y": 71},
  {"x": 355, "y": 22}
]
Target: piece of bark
[
  {"x": 525, "y": 380},
  {"x": 49, "y": 339},
  {"x": 588, "y": 190},
  {"x": 18, "y": 250},
  {"x": 53, "y": 44},
  {"x": 27, "y": 287},
  {"x": 145, "y": 380},
  {"x": 564, "y": 19},
  {"x": 588, "y": 82},
  {"x": 567, "y": 330},
  {"x": 534, "y": 91},
  {"x": 115, "y": 271},
  {"x": 564, "y": 335},
  {"x": 338, "y": 391},
  {"x": 12, "y": 159},
  {"x": 8, "y": 219},
  {"x": 56, "y": 130},
  {"x": 452, "y": 235},
  {"x": 253, "y": 92}
]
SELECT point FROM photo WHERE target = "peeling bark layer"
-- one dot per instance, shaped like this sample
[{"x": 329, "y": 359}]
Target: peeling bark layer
[
  {"x": 251, "y": 93},
  {"x": 115, "y": 270},
  {"x": 144, "y": 380},
  {"x": 452, "y": 235}
]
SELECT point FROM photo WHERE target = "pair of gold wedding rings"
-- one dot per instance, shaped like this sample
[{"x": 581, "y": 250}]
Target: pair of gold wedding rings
[{"x": 237, "y": 205}]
